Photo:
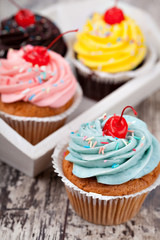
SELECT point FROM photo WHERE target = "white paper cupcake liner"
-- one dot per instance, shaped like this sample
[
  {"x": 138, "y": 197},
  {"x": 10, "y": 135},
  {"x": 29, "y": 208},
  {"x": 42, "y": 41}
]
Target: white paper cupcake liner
[
  {"x": 35, "y": 129},
  {"x": 96, "y": 208},
  {"x": 122, "y": 76}
]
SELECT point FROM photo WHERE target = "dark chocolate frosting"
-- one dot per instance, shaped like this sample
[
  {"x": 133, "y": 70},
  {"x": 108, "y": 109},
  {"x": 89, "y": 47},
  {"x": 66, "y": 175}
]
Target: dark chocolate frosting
[{"x": 41, "y": 33}]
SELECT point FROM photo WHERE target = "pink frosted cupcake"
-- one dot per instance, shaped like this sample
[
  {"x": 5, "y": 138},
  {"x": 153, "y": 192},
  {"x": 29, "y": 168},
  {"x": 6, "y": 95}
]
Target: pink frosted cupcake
[{"x": 37, "y": 91}]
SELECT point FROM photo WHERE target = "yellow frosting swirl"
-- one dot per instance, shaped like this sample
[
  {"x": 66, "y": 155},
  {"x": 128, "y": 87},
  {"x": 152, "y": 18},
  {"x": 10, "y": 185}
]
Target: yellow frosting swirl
[{"x": 110, "y": 48}]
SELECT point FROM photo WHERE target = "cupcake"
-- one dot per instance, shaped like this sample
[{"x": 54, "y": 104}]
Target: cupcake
[
  {"x": 108, "y": 168},
  {"x": 109, "y": 51},
  {"x": 27, "y": 28},
  {"x": 37, "y": 91}
]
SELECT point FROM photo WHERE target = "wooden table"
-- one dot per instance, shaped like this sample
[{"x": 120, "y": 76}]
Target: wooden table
[{"x": 38, "y": 208}]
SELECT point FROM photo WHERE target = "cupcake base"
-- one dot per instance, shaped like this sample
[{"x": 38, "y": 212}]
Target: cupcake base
[
  {"x": 97, "y": 208},
  {"x": 101, "y": 212},
  {"x": 94, "y": 89},
  {"x": 35, "y": 129}
]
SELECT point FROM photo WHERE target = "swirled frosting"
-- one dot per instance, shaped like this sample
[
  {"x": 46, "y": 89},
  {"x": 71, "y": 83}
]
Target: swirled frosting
[
  {"x": 42, "y": 33},
  {"x": 52, "y": 85},
  {"x": 112, "y": 160},
  {"x": 110, "y": 48}
]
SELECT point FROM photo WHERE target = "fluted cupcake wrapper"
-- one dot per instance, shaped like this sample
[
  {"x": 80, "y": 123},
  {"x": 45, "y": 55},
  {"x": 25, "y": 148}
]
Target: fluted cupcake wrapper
[
  {"x": 96, "y": 208},
  {"x": 35, "y": 129},
  {"x": 97, "y": 84}
]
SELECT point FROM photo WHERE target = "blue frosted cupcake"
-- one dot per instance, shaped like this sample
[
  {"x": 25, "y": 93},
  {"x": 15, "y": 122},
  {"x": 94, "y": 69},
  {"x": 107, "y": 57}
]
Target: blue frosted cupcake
[{"x": 109, "y": 168}]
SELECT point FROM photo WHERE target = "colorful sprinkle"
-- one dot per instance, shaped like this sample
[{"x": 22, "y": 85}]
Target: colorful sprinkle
[
  {"x": 29, "y": 70},
  {"x": 62, "y": 81},
  {"x": 94, "y": 144},
  {"x": 30, "y": 81},
  {"x": 143, "y": 138},
  {"x": 43, "y": 68},
  {"x": 105, "y": 160},
  {"x": 90, "y": 144},
  {"x": 31, "y": 97},
  {"x": 142, "y": 144},
  {"x": 111, "y": 60},
  {"x": 104, "y": 142},
  {"x": 90, "y": 138},
  {"x": 115, "y": 165},
  {"x": 72, "y": 132},
  {"x": 84, "y": 138},
  {"x": 40, "y": 80},
  {"x": 86, "y": 146},
  {"x": 44, "y": 75},
  {"x": 131, "y": 41},
  {"x": 21, "y": 69},
  {"x": 124, "y": 141},
  {"x": 26, "y": 90},
  {"x": 117, "y": 146},
  {"x": 132, "y": 131},
  {"x": 102, "y": 116},
  {"x": 101, "y": 150},
  {"x": 130, "y": 123},
  {"x": 137, "y": 138},
  {"x": 119, "y": 39},
  {"x": 48, "y": 90},
  {"x": 54, "y": 84},
  {"x": 53, "y": 74},
  {"x": 134, "y": 149}
]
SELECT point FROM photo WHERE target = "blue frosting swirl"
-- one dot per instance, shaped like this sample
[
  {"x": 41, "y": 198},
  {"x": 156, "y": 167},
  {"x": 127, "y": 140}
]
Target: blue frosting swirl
[{"x": 113, "y": 160}]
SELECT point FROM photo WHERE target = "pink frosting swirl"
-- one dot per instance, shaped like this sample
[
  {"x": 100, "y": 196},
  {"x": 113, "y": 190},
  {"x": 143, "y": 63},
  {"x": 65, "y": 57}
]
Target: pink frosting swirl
[{"x": 52, "y": 85}]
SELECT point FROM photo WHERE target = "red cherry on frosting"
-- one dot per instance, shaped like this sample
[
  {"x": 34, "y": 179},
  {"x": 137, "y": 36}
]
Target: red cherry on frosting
[
  {"x": 24, "y": 18},
  {"x": 117, "y": 126},
  {"x": 38, "y": 55},
  {"x": 114, "y": 15}
]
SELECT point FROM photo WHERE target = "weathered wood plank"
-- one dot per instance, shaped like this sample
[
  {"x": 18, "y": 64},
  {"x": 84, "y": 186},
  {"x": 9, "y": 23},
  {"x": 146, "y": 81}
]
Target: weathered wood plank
[{"x": 31, "y": 208}]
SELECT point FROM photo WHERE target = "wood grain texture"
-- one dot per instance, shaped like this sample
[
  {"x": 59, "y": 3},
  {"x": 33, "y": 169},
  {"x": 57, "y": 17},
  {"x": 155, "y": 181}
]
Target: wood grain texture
[{"x": 37, "y": 208}]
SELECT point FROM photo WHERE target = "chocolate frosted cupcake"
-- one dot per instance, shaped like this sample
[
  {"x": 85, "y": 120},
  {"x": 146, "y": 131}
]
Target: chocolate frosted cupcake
[
  {"x": 110, "y": 50},
  {"x": 40, "y": 31},
  {"x": 110, "y": 166}
]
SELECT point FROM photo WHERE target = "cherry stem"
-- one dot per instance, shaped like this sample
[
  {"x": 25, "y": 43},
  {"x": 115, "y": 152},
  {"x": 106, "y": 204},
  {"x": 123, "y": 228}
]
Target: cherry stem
[
  {"x": 15, "y": 4},
  {"x": 134, "y": 111},
  {"x": 55, "y": 40},
  {"x": 116, "y": 3}
]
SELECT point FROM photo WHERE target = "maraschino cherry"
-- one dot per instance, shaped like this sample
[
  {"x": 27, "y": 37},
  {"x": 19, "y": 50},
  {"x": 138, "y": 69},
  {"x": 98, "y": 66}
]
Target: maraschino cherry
[
  {"x": 117, "y": 126},
  {"x": 39, "y": 55},
  {"x": 24, "y": 17},
  {"x": 114, "y": 15}
]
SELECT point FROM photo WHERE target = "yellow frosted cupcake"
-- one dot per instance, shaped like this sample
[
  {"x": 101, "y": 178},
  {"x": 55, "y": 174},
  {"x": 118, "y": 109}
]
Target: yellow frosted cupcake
[{"x": 108, "y": 50}]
